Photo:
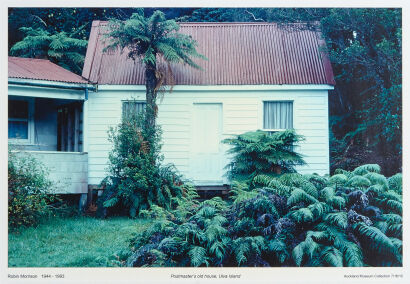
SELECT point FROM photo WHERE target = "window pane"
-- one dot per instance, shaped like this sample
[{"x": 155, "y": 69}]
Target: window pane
[
  {"x": 277, "y": 115},
  {"x": 18, "y": 109},
  {"x": 18, "y": 129},
  {"x": 132, "y": 108}
]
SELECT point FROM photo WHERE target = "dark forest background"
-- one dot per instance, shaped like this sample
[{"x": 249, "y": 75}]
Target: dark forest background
[{"x": 364, "y": 44}]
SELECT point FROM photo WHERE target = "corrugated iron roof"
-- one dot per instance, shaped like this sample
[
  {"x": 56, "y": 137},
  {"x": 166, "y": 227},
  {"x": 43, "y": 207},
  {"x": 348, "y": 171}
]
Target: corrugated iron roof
[
  {"x": 238, "y": 54},
  {"x": 41, "y": 69}
]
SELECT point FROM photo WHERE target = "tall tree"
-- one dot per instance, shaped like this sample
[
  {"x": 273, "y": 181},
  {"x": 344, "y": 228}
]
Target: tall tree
[
  {"x": 60, "y": 48},
  {"x": 147, "y": 39}
]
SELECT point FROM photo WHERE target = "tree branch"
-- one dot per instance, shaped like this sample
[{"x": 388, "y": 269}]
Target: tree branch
[{"x": 253, "y": 16}]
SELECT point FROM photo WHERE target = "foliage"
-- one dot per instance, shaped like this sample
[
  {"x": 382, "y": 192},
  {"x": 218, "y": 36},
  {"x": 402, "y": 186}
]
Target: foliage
[
  {"x": 137, "y": 180},
  {"x": 59, "y": 47},
  {"x": 146, "y": 39},
  {"x": 256, "y": 153},
  {"x": 29, "y": 191},
  {"x": 291, "y": 220}
]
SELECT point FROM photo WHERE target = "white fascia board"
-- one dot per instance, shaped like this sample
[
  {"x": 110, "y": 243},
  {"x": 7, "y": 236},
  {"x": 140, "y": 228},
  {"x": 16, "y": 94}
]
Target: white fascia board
[
  {"x": 50, "y": 83},
  {"x": 182, "y": 88},
  {"x": 45, "y": 92}
]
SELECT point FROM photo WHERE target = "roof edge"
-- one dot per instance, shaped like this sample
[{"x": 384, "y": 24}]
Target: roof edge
[{"x": 91, "y": 48}]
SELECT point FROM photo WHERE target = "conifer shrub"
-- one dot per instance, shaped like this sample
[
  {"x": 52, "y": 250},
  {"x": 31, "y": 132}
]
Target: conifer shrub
[
  {"x": 29, "y": 191},
  {"x": 137, "y": 178}
]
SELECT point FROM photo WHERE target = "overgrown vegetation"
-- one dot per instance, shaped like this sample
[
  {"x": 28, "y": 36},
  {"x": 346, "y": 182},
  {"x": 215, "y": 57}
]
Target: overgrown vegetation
[
  {"x": 350, "y": 219},
  {"x": 259, "y": 152},
  {"x": 137, "y": 178},
  {"x": 29, "y": 198}
]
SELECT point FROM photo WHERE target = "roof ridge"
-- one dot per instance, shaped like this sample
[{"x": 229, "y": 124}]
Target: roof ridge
[{"x": 103, "y": 23}]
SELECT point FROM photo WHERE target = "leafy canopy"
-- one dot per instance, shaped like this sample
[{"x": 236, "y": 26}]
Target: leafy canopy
[
  {"x": 59, "y": 47},
  {"x": 145, "y": 38}
]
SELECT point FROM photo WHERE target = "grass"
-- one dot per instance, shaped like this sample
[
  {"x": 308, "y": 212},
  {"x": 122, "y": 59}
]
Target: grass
[{"x": 72, "y": 242}]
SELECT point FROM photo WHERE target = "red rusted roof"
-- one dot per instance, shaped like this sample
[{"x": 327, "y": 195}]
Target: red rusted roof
[
  {"x": 238, "y": 54},
  {"x": 41, "y": 69}
]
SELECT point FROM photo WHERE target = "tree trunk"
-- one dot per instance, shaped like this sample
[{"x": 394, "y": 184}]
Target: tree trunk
[{"x": 151, "y": 95}]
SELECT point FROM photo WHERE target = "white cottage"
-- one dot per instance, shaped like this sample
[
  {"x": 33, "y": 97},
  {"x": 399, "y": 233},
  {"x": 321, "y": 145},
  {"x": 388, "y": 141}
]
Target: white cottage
[{"x": 257, "y": 76}]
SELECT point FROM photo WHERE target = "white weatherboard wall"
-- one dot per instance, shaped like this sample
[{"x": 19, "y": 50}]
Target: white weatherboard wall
[{"x": 241, "y": 111}]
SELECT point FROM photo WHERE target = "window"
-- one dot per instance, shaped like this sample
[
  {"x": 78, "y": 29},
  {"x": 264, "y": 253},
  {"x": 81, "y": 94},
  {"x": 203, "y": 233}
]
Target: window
[
  {"x": 277, "y": 115},
  {"x": 19, "y": 122},
  {"x": 132, "y": 108}
]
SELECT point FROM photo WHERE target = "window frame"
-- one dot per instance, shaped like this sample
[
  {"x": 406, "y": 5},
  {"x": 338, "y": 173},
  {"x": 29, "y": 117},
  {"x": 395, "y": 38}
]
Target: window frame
[
  {"x": 130, "y": 101},
  {"x": 30, "y": 122},
  {"x": 277, "y": 101}
]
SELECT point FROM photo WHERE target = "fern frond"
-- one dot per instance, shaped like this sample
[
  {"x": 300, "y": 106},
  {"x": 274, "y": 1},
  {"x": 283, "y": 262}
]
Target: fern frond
[
  {"x": 332, "y": 257},
  {"x": 302, "y": 215},
  {"x": 395, "y": 182},
  {"x": 298, "y": 195},
  {"x": 359, "y": 181},
  {"x": 364, "y": 169},
  {"x": 392, "y": 218},
  {"x": 319, "y": 209},
  {"x": 338, "y": 219},
  {"x": 198, "y": 256},
  {"x": 379, "y": 179},
  {"x": 307, "y": 248},
  {"x": 374, "y": 238},
  {"x": 353, "y": 255},
  {"x": 340, "y": 179},
  {"x": 398, "y": 245}
]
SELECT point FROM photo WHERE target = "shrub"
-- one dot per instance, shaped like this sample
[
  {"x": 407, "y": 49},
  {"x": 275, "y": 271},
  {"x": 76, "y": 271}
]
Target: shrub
[
  {"x": 260, "y": 152},
  {"x": 29, "y": 198},
  {"x": 137, "y": 179},
  {"x": 291, "y": 220}
]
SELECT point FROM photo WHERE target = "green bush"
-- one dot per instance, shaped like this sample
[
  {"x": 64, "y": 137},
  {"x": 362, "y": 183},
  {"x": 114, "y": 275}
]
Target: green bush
[
  {"x": 349, "y": 219},
  {"x": 29, "y": 198},
  {"x": 137, "y": 179},
  {"x": 260, "y": 152}
]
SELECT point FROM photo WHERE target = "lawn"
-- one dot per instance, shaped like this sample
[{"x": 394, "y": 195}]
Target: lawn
[{"x": 72, "y": 242}]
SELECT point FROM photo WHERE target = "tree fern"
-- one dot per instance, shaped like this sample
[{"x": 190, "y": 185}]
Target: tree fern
[
  {"x": 61, "y": 48},
  {"x": 258, "y": 153}
]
